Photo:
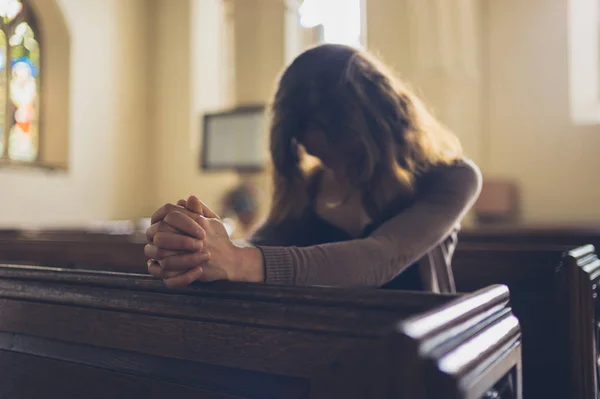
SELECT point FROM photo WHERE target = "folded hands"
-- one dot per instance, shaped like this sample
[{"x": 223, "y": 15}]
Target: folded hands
[{"x": 187, "y": 242}]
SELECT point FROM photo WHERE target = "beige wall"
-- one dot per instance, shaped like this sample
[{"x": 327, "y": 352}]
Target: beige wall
[
  {"x": 142, "y": 72},
  {"x": 435, "y": 47},
  {"x": 55, "y": 86},
  {"x": 106, "y": 129},
  {"x": 529, "y": 135},
  {"x": 132, "y": 103},
  {"x": 513, "y": 115},
  {"x": 189, "y": 80},
  {"x": 205, "y": 65}
]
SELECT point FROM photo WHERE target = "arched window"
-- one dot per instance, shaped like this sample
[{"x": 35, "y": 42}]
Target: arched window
[
  {"x": 341, "y": 20},
  {"x": 19, "y": 82}
]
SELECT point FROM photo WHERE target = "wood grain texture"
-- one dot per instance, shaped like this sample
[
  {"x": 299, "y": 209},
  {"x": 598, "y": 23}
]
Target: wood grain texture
[
  {"x": 241, "y": 340},
  {"x": 557, "y": 234},
  {"x": 554, "y": 301},
  {"x": 484, "y": 350},
  {"x": 83, "y": 253},
  {"x": 580, "y": 273},
  {"x": 55, "y": 379}
]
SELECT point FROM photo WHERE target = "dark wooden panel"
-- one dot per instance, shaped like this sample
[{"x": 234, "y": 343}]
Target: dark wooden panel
[
  {"x": 261, "y": 349},
  {"x": 245, "y": 340},
  {"x": 72, "y": 234},
  {"x": 34, "y": 377},
  {"x": 207, "y": 377},
  {"x": 579, "y": 277},
  {"x": 94, "y": 252},
  {"x": 483, "y": 353},
  {"x": 531, "y": 267},
  {"x": 250, "y": 293},
  {"x": 573, "y": 235},
  {"x": 544, "y": 303}
]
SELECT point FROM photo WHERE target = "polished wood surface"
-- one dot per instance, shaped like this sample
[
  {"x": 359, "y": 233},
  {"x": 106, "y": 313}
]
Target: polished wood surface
[
  {"x": 92, "y": 334},
  {"x": 553, "y": 293},
  {"x": 74, "y": 249},
  {"x": 463, "y": 359},
  {"x": 543, "y": 234},
  {"x": 579, "y": 278}
]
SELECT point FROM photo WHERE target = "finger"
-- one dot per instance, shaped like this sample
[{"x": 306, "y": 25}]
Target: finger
[
  {"x": 195, "y": 205},
  {"x": 182, "y": 203},
  {"x": 153, "y": 252},
  {"x": 164, "y": 210},
  {"x": 184, "y": 279},
  {"x": 212, "y": 273},
  {"x": 185, "y": 224},
  {"x": 156, "y": 227},
  {"x": 184, "y": 261},
  {"x": 177, "y": 242},
  {"x": 157, "y": 271},
  {"x": 168, "y": 274}
]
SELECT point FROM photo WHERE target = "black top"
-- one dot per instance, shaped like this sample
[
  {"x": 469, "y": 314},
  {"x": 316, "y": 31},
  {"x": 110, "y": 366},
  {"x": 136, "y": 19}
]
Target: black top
[
  {"x": 426, "y": 226},
  {"x": 322, "y": 231}
]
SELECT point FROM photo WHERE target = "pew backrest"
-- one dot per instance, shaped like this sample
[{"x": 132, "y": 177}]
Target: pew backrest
[
  {"x": 73, "y": 333},
  {"x": 553, "y": 293},
  {"x": 93, "y": 252},
  {"x": 573, "y": 236},
  {"x": 481, "y": 360},
  {"x": 579, "y": 275}
]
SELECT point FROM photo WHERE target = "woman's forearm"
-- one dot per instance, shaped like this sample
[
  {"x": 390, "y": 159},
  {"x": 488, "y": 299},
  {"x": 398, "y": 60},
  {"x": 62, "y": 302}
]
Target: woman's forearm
[
  {"x": 250, "y": 265},
  {"x": 395, "y": 245}
]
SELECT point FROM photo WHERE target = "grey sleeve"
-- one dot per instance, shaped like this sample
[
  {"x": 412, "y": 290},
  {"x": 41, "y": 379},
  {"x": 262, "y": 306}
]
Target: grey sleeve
[{"x": 444, "y": 199}]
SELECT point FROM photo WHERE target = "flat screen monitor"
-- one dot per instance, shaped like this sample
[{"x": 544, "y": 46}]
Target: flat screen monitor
[{"x": 235, "y": 139}]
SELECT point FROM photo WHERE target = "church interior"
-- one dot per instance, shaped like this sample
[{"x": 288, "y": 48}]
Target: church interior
[{"x": 110, "y": 109}]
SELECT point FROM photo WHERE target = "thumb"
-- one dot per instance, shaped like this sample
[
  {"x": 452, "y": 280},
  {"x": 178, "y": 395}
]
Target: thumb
[{"x": 195, "y": 205}]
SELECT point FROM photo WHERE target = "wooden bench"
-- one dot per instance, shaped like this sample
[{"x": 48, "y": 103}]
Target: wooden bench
[
  {"x": 533, "y": 234},
  {"x": 74, "y": 250},
  {"x": 76, "y": 334},
  {"x": 554, "y": 295}
]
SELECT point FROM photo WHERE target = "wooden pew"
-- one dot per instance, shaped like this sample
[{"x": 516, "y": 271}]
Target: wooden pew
[
  {"x": 74, "y": 249},
  {"x": 573, "y": 235},
  {"x": 75, "y": 334},
  {"x": 554, "y": 295}
]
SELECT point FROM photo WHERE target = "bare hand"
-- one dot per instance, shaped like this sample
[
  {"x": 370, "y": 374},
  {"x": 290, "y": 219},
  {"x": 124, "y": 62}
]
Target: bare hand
[
  {"x": 160, "y": 226},
  {"x": 176, "y": 248},
  {"x": 187, "y": 246}
]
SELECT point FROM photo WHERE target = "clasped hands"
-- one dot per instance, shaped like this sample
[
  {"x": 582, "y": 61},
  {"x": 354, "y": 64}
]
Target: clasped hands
[{"x": 187, "y": 242}]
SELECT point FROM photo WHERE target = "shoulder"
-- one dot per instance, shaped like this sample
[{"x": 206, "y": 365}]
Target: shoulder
[
  {"x": 463, "y": 172},
  {"x": 462, "y": 177}
]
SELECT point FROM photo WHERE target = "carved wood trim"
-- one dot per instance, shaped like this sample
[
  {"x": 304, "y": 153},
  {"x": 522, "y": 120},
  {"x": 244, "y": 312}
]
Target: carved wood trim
[
  {"x": 468, "y": 345},
  {"x": 579, "y": 273}
]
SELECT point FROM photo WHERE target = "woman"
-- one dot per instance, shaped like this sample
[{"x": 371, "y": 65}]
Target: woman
[{"x": 390, "y": 191}]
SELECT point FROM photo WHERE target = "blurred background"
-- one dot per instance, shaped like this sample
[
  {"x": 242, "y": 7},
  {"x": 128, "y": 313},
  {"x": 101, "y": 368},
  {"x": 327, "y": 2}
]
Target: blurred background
[{"x": 108, "y": 108}]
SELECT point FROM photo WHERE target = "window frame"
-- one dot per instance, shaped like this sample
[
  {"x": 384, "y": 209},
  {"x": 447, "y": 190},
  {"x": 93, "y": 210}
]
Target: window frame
[
  {"x": 584, "y": 61},
  {"x": 363, "y": 21},
  {"x": 29, "y": 16}
]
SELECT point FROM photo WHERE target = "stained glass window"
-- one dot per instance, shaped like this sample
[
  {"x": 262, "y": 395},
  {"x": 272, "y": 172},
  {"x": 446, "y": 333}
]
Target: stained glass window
[{"x": 19, "y": 82}]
